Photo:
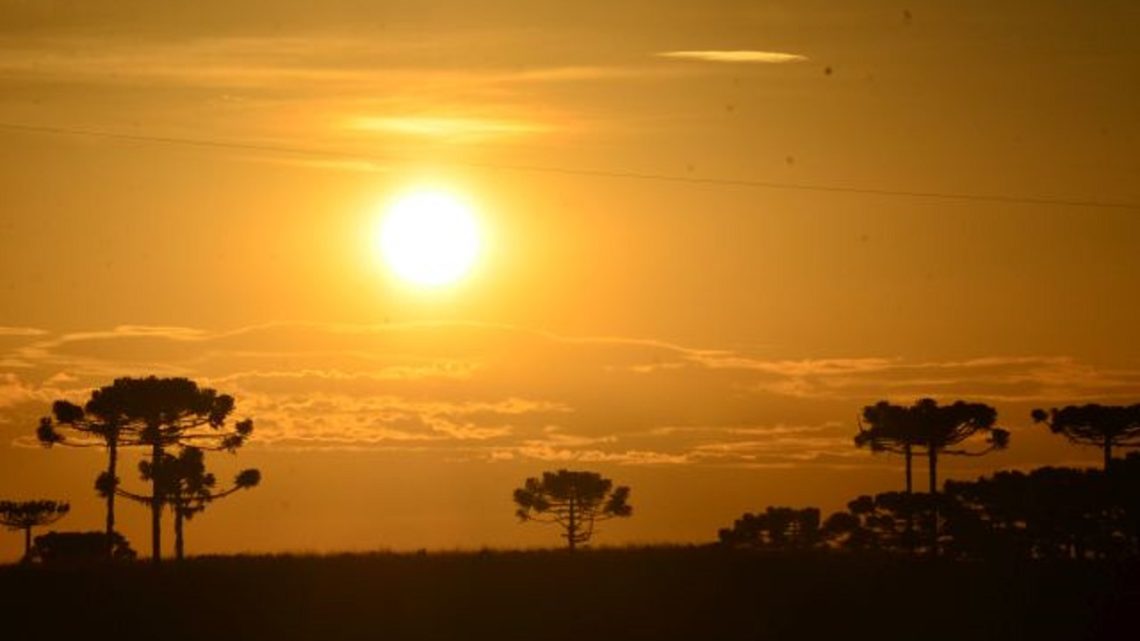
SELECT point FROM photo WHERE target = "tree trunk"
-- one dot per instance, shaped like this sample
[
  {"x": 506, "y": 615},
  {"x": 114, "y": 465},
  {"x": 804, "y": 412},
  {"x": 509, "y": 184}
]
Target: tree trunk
[
  {"x": 909, "y": 466},
  {"x": 909, "y": 492},
  {"x": 933, "y": 454},
  {"x": 178, "y": 547},
  {"x": 572, "y": 527},
  {"x": 28, "y": 544},
  {"x": 155, "y": 505},
  {"x": 112, "y": 465},
  {"x": 1107, "y": 454}
]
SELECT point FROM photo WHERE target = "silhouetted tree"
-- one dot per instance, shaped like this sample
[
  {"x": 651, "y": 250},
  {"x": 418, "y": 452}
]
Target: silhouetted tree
[
  {"x": 884, "y": 522},
  {"x": 925, "y": 424},
  {"x": 184, "y": 484},
  {"x": 942, "y": 427},
  {"x": 169, "y": 412},
  {"x": 889, "y": 428},
  {"x": 778, "y": 528},
  {"x": 98, "y": 423},
  {"x": 1104, "y": 426},
  {"x": 25, "y": 515},
  {"x": 1049, "y": 512},
  {"x": 575, "y": 501}
]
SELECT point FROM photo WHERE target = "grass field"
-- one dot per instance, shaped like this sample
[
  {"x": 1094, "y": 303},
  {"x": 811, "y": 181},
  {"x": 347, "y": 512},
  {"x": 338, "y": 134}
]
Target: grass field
[{"x": 655, "y": 593}]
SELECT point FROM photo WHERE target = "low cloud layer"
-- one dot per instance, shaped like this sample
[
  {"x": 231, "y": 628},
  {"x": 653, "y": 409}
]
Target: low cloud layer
[{"x": 489, "y": 392}]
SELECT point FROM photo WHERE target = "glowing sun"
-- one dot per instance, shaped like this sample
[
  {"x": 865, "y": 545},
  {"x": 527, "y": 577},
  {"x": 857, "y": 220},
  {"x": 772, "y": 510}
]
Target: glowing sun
[{"x": 429, "y": 238}]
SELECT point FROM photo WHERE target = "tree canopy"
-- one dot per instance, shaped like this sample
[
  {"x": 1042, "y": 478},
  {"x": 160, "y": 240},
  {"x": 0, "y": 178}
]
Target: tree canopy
[
  {"x": 25, "y": 515},
  {"x": 575, "y": 501},
  {"x": 1103, "y": 426},
  {"x": 185, "y": 486},
  {"x": 930, "y": 428}
]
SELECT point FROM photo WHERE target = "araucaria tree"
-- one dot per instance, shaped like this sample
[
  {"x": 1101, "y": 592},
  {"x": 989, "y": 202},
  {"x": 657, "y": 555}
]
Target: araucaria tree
[
  {"x": 929, "y": 428},
  {"x": 98, "y": 423},
  {"x": 186, "y": 486},
  {"x": 26, "y": 515},
  {"x": 574, "y": 501},
  {"x": 943, "y": 427},
  {"x": 173, "y": 412},
  {"x": 1103, "y": 426},
  {"x": 889, "y": 428}
]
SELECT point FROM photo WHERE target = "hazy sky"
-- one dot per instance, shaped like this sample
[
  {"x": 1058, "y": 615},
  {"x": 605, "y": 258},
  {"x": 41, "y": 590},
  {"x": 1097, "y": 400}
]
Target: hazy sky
[{"x": 708, "y": 343}]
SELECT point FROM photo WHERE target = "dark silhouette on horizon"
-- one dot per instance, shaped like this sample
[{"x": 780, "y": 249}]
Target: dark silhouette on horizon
[
  {"x": 81, "y": 547},
  {"x": 780, "y": 528},
  {"x": 888, "y": 429},
  {"x": 1046, "y": 513},
  {"x": 99, "y": 422},
  {"x": 928, "y": 427},
  {"x": 1103, "y": 426},
  {"x": 574, "y": 501},
  {"x": 155, "y": 413},
  {"x": 25, "y": 515},
  {"x": 184, "y": 484}
]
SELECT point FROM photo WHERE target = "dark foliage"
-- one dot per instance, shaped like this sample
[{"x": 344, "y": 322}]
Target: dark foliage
[
  {"x": 25, "y": 515},
  {"x": 81, "y": 547},
  {"x": 1048, "y": 513},
  {"x": 933, "y": 429},
  {"x": 779, "y": 528},
  {"x": 184, "y": 485},
  {"x": 1105, "y": 426},
  {"x": 574, "y": 501}
]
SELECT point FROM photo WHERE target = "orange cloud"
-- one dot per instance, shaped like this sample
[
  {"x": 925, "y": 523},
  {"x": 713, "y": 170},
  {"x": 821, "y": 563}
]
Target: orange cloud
[
  {"x": 460, "y": 390},
  {"x": 736, "y": 56}
]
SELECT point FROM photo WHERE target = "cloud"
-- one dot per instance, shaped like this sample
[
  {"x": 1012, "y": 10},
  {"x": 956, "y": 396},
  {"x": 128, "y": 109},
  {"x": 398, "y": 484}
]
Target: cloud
[
  {"x": 485, "y": 392},
  {"x": 21, "y": 331},
  {"x": 444, "y": 127},
  {"x": 736, "y": 56}
]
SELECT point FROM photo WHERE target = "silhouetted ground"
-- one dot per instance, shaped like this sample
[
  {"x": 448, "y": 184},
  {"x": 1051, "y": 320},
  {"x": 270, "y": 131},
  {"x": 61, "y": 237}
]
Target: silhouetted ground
[{"x": 658, "y": 593}]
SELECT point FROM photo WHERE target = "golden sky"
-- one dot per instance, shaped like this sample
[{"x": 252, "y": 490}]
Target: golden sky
[{"x": 706, "y": 341}]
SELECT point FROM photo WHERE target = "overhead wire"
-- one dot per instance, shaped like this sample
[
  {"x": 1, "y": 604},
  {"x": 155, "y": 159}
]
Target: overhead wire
[{"x": 580, "y": 171}]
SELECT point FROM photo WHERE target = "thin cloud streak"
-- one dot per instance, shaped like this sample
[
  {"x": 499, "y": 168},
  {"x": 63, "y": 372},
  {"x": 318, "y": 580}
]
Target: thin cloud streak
[
  {"x": 736, "y": 56},
  {"x": 448, "y": 127}
]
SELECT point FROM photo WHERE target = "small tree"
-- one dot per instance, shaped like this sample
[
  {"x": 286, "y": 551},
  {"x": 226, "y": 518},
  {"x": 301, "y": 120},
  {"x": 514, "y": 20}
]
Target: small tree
[
  {"x": 26, "y": 515},
  {"x": 574, "y": 501},
  {"x": 98, "y": 423},
  {"x": 1104, "y": 426},
  {"x": 185, "y": 485}
]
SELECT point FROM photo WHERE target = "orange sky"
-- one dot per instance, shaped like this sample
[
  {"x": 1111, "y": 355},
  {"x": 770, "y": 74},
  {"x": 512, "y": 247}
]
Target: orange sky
[{"x": 709, "y": 344}]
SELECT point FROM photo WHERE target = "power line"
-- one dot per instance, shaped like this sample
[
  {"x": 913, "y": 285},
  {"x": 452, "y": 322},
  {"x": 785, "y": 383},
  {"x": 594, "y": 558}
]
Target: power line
[{"x": 578, "y": 171}]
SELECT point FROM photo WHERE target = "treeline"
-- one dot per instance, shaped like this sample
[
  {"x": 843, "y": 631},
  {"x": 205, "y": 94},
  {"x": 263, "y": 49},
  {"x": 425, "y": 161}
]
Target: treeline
[
  {"x": 1047, "y": 513},
  {"x": 174, "y": 422}
]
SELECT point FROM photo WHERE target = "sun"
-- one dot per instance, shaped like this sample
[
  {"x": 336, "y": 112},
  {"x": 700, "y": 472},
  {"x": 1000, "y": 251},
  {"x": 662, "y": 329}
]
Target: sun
[{"x": 429, "y": 238}]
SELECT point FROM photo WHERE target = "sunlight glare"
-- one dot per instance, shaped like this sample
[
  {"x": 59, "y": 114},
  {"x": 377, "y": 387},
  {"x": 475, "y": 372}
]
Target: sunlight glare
[{"x": 429, "y": 238}]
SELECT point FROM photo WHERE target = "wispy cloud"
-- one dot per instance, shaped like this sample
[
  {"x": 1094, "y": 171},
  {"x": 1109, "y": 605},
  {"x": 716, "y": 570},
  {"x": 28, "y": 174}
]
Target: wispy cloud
[
  {"x": 462, "y": 391},
  {"x": 736, "y": 56},
  {"x": 448, "y": 127},
  {"x": 21, "y": 331}
]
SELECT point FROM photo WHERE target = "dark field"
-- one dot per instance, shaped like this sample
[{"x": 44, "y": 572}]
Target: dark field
[{"x": 660, "y": 593}]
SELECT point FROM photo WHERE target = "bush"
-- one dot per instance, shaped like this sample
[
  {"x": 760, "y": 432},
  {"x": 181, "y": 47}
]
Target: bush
[{"x": 81, "y": 547}]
